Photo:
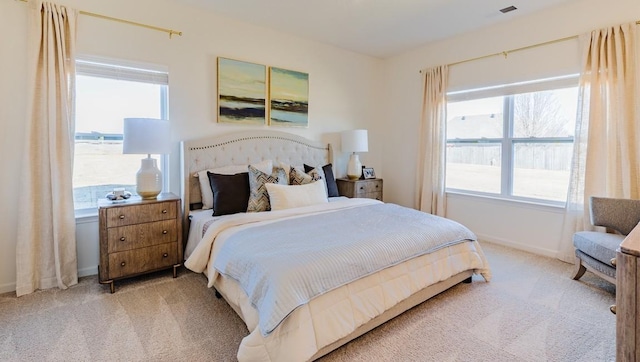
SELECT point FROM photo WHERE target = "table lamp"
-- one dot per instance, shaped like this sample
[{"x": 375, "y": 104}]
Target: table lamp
[
  {"x": 150, "y": 136},
  {"x": 355, "y": 141}
]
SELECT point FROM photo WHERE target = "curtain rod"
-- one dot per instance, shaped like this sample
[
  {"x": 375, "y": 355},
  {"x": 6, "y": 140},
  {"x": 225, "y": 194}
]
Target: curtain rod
[
  {"x": 100, "y": 16},
  {"x": 505, "y": 53}
]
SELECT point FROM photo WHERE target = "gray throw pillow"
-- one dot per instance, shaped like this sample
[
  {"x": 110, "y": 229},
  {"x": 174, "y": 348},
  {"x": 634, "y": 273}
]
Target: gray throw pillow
[
  {"x": 258, "y": 195},
  {"x": 300, "y": 177}
]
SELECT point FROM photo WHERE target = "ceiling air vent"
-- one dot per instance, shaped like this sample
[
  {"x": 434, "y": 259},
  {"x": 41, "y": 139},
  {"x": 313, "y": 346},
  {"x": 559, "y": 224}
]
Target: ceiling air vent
[{"x": 508, "y": 9}]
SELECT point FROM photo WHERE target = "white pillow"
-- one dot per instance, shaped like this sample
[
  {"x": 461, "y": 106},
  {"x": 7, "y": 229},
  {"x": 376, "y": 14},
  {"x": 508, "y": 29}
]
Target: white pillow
[
  {"x": 289, "y": 196},
  {"x": 265, "y": 166}
]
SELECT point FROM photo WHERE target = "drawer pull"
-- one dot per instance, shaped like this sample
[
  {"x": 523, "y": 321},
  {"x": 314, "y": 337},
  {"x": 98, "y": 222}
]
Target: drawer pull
[
  {"x": 122, "y": 238},
  {"x": 164, "y": 231},
  {"x": 123, "y": 264},
  {"x": 361, "y": 187},
  {"x": 164, "y": 211},
  {"x": 121, "y": 217},
  {"x": 377, "y": 185},
  {"x": 165, "y": 255}
]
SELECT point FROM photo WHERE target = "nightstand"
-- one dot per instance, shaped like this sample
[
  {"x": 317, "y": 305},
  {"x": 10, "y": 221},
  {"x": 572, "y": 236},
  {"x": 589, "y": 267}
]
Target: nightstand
[
  {"x": 139, "y": 236},
  {"x": 371, "y": 188}
]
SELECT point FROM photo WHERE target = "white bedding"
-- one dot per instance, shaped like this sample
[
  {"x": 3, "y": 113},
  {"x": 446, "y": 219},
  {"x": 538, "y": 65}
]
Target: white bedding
[
  {"x": 198, "y": 219},
  {"x": 332, "y": 315}
]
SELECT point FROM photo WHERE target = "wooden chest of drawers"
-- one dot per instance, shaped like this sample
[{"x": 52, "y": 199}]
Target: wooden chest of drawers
[
  {"x": 628, "y": 298},
  {"x": 371, "y": 189},
  {"x": 139, "y": 236}
]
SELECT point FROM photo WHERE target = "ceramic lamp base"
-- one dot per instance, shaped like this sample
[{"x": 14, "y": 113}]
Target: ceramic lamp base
[
  {"x": 354, "y": 167},
  {"x": 149, "y": 179}
]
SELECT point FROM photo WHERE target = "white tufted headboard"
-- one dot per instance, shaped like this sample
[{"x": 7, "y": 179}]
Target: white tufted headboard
[{"x": 241, "y": 148}]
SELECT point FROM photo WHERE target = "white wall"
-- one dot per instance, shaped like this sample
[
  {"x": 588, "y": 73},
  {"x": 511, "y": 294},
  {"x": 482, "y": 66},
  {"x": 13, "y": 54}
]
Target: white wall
[
  {"x": 530, "y": 227},
  {"x": 12, "y": 110},
  {"x": 345, "y": 88}
]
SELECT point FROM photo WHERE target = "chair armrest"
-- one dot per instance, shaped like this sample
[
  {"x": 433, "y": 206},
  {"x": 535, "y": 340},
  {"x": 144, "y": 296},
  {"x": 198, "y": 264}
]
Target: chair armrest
[{"x": 621, "y": 215}]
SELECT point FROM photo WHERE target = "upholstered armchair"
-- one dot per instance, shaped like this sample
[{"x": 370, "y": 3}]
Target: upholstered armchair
[{"x": 596, "y": 251}]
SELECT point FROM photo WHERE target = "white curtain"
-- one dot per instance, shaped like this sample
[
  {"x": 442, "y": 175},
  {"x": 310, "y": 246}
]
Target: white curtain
[
  {"x": 46, "y": 245},
  {"x": 606, "y": 157},
  {"x": 431, "y": 157}
]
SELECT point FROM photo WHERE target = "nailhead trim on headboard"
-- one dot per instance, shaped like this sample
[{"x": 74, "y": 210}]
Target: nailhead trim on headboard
[{"x": 326, "y": 148}]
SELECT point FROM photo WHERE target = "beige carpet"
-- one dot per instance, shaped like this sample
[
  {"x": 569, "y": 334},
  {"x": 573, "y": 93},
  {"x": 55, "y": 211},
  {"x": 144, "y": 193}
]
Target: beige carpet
[{"x": 531, "y": 311}]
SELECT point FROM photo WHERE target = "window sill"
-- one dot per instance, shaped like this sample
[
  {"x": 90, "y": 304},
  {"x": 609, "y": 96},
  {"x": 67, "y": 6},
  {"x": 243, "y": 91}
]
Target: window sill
[{"x": 551, "y": 206}]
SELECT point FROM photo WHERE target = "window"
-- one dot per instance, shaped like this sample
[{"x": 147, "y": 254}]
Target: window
[
  {"x": 106, "y": 93},
  {"x": 516, "y": 146}
]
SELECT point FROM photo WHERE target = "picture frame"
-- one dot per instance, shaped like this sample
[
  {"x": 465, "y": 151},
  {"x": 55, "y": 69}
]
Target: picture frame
[
  {"x": 242, "y": 92},
  {"x": 288, "y": 98},
  {"x": 368, "y": 173}
]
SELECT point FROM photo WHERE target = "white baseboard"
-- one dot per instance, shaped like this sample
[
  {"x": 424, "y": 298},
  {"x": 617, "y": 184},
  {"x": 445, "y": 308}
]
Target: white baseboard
[
  {"x": 11, "y": 287},
  {"x": 520, "y": 246},
  {"x": 7, "y": 288},
  {"x": 87, "y": 271}
]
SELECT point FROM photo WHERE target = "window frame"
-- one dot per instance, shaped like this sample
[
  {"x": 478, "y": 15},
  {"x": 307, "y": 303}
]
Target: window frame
[
  {"x": 118, "y": 69},
  {"x": 508, "y": 142}
]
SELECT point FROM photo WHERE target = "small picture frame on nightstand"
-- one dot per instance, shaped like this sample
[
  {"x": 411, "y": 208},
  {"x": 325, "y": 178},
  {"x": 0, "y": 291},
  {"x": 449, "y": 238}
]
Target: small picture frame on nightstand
[{"x": 368, "y": 173}]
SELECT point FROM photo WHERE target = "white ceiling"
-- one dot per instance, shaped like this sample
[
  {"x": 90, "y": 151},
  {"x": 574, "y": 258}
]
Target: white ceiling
[{"x": 380, "y": 28}]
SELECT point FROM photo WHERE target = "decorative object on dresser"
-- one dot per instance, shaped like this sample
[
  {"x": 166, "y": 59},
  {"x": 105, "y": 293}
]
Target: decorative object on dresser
[
  {"x": 628, "y": 298},
  {"x": 354, "y": 141},
  {"x": 150, "y": 136},
  {"x": 369, "y": 188},
  {"x": 368, "y": 173},
  {"x": 139, "y": 236}
]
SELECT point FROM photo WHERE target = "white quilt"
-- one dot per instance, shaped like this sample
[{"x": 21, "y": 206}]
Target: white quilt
[{"x": 332, "y": 315}]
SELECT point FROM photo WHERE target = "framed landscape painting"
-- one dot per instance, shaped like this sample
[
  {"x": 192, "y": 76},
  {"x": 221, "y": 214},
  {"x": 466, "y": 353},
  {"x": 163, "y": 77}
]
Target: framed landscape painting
[
  {"x": 289, "y": 98},
  {"x": 242, "y": 92}
]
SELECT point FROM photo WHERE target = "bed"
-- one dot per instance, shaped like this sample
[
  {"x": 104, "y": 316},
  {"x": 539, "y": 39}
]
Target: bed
[{"x": 311, "y": 274}]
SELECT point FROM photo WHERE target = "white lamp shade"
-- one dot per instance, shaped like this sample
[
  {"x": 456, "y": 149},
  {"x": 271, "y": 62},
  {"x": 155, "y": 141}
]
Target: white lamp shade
[
  {"x": 146, "y": 136},
  {"x": 355, "y": 141}
]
